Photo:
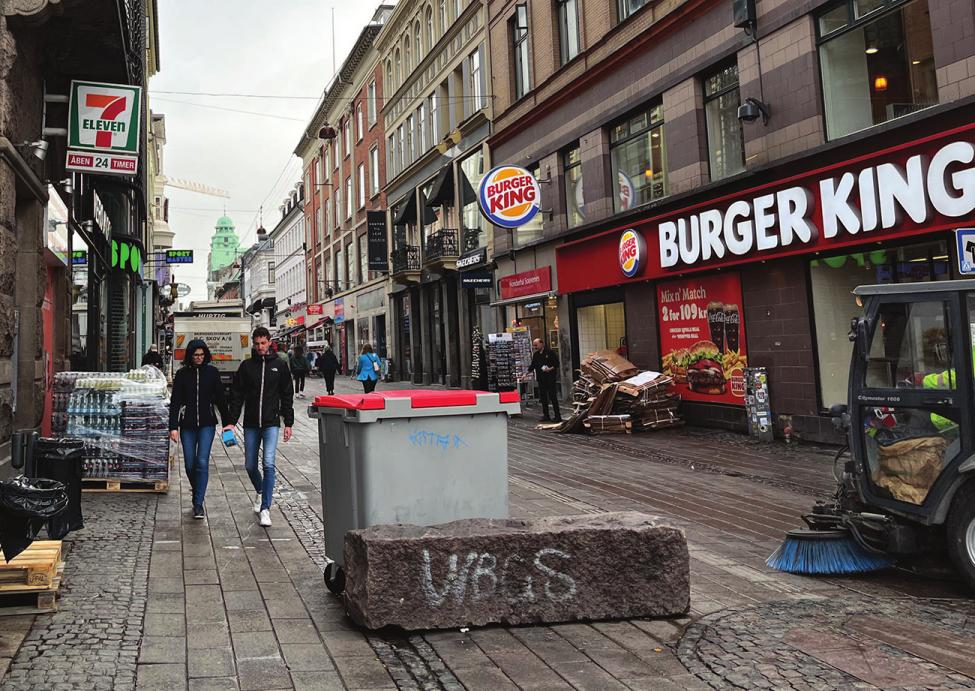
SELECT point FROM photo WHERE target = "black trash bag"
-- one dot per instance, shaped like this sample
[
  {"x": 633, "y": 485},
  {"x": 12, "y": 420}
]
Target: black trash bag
[
  {"x": 62, "y": 460},
  {"x": 25, "y": 505}
]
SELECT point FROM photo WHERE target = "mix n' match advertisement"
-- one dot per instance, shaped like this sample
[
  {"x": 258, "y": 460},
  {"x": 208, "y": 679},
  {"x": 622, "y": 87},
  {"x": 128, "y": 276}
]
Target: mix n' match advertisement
[{"x": 702, "y": 337}]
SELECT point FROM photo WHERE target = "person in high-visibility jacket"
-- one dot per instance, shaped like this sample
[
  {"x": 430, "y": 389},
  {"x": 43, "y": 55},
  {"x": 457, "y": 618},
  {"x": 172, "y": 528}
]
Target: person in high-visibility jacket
[{"x": 940, "y": 380}]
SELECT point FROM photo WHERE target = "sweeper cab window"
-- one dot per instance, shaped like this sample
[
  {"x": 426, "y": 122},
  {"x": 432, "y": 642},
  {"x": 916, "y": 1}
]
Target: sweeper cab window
[{"x": 911, "y": 347}]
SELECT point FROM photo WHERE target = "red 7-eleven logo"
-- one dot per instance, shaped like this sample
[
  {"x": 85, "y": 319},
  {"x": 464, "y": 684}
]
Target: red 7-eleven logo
[{"x": 112, "y": 107}]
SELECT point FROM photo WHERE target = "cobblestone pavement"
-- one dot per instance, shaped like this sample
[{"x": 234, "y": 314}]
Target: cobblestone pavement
[{"x": 156, "y": 600}]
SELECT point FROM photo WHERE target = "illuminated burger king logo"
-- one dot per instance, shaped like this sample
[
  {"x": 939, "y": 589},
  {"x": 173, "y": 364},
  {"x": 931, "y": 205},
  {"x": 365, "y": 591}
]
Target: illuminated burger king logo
[
  {"x": 631, "y": 252},
  {"x": 509, "y": 196}
]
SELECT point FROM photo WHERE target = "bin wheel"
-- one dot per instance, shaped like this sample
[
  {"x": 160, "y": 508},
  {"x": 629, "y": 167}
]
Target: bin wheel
[{"x": 334, "y": 578}]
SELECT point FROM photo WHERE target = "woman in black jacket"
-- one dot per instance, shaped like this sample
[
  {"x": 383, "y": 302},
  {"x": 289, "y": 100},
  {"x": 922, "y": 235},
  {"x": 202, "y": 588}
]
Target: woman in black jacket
[
  {"x": 328, "y": 365},
  {"x": 197, "y": 389}
]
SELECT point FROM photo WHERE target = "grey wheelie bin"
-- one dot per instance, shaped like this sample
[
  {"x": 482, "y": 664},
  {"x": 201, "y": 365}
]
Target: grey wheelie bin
[{"x": 415, "y": 456}]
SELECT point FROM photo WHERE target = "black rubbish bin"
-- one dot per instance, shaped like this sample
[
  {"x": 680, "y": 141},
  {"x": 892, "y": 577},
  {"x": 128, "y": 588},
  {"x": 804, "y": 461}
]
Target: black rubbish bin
[
  {"x": 25, "y": 505},
  {"x": 62, "y": 460}
]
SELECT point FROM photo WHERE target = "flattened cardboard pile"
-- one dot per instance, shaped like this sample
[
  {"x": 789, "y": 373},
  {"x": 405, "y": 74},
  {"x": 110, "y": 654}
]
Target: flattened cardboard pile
[{"x": 613, "y": 395}]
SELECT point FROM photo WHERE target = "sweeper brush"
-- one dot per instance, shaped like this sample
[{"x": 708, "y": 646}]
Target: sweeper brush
[{"x": 824, "y": 552}]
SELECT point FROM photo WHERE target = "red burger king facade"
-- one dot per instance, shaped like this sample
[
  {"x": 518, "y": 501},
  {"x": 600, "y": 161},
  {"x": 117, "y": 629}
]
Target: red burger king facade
[{"x": 758, "y": 271}]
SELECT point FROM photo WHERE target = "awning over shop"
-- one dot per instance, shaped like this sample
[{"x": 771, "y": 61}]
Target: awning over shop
[
  {"x": 291, "y": 330},
  {"x": 443, "y": 188},
  {"x": 523, "y": 298},
  {"x": 254, "y": 307},
  {"x": 268, "y": 302},
  {"x": 405, "y": 212}
]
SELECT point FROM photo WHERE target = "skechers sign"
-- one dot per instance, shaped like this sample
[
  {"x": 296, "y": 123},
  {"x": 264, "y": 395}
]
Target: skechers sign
[
  {"x": 914, "y": 188},
  {"x": 632, "y": 252},
  {"x": 509, "y": 196}
]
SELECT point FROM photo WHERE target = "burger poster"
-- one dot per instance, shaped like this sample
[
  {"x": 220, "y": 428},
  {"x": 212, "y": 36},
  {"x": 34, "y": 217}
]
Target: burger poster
[{"x": 702, "y": 337}]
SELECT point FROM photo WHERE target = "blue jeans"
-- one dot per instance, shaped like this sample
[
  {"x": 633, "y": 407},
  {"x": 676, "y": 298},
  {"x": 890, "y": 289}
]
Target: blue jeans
[
  {"x": 196, "y": 453},
  {"x": 254, "y": 438}
]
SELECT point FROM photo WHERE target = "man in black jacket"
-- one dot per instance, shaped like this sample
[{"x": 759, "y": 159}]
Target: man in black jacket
[
  {"x": 545, "y": 365},
  {"x": 262, "y": 389}
]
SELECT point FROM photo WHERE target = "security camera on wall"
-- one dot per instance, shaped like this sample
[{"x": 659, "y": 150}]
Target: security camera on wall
[{"x": 752, "y": 109}]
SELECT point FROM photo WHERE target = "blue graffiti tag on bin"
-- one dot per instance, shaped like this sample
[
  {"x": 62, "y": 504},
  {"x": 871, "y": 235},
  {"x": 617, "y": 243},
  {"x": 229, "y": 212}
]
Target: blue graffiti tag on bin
[{"x": 434, "y": 440}]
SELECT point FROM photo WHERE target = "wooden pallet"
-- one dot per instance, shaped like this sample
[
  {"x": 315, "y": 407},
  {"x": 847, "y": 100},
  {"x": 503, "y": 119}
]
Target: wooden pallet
[
  {"x": 32, "y": 576},
  {"x": 91, "y": 484}
]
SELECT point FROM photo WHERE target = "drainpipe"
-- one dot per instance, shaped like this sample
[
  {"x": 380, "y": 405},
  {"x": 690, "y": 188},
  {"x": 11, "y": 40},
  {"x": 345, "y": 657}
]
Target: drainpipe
[{"x": 10, "y": 154}]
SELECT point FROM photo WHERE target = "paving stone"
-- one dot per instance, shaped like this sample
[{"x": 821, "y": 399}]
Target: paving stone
[
  {"x": 161, "y": 678},
  {"x": 306, "y": 657},
  {"x": 242, "y": 600},
  {"x": 206, "y": 634},
  {"x": 214, "y": 684},
  {"x": 317, "y": 681},
  {"x": 156, "y": 649},
  {"x": 295, "y": 631},
  {"x": 363, "y": 672},
  {"x": 260, "y": 675},
  {"x": 248, "y": 620},
  {"x": 255, "y": 645},
  {"x": 211, "y": 662}
]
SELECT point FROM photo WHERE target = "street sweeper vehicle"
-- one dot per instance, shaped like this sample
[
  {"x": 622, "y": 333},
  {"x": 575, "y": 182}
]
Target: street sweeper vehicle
[{"x": 907, "y": 486}]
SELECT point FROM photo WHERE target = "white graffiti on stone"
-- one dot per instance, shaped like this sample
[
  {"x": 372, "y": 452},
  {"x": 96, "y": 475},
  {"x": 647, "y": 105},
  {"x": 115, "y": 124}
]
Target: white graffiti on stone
[{"x": 477, "y": 578}]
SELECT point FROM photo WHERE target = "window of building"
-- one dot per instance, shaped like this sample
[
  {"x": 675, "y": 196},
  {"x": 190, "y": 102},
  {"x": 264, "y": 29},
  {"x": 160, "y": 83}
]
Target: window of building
[
  {"x": 477, "y": 84},
  {"x": 532, "y": 231},
  {"x": 308, "y": 179},
  {"x": 348, "y": 197},
  {"x": 568, "y": 29},
  {"x": 408, "y": 145},
  {"x": 374, "y": 170},
  {"x": 320, "y": 227},
  {"x": 458, "y": 8},
  {"x": 877, "y": 63},
  {"x": 338, "y": 209},
  {"x": 832, "y": 280},
  {"x": 628, "y": 7},
  {"x": 328, "y": 215},
  {"x": 421, "y": 129},
  {"x": 471, "y": 173},
  {"x": 434, "y": 119},
  {"x": 398, "y": 67},
  {"x": 338, "y": 148},
  {"x": 442, "y": 15},
  {"x": 519, "y": 45},
  {"x": 407, "y": 58},
  {"x": 389, "y": 75},
  {"x": 371, "y": 102},
  {"x": 725, "y": 140},
  {"x": 340, "y": 271},
  {"x": 637, "y": 155},
  {"x": 391, "y": 156},
  {"x": 352, "y": 259},
  {"x": 270, "y": 272},
  {"x": 362, "y": 185},
  {"x": 358, "y": 121},
  {"x": 348, "y": 137},
  {"x": 328, "y": 160},
  {"x": 318, "y": 171},
  {"x": 575, "y": 203},
  {"x": 363, "y": 258},
  {"x": 429, "y": 25},
  {"x": 401, "y": 160},
  {"x": 432, "y": 218}
]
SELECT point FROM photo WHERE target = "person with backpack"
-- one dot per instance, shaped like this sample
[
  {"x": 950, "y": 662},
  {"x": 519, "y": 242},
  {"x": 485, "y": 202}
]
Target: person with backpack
[
  {"x": 197, "y": 391},
  {"x": 328, "y": 365},
  {"x": 299, "y": 369},
  {"x": 368, "y": 369}
]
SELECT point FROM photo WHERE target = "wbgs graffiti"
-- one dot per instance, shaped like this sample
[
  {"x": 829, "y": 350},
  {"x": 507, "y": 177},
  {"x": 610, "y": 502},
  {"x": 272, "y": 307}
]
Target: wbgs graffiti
[{"x": 514, "y": 578}]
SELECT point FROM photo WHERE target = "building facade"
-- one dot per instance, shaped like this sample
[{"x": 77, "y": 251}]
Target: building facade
[
  {"x": 728, "y": 186},
  {"x": 345, "y": 176},
  {"x": 288, "y": 239},
  {"x": 437, "y": 116}
]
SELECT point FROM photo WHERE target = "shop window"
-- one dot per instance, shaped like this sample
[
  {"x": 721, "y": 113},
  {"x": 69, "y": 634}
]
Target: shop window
[
  {"x": 519, "y": 45},
  {"x": 877, "y": 63},
  {"x": 575, "y": 203},
  {"x": 726, "y": 144},
  {"x": 532, "y": 231},
  {"x": 568, "y": 29},
  {"x": 637, "y": 153},
  {"x": 832, "y": 280},
  {"x": 471, "y": 173},
  {"x": 628, "y": 7},
  {"x": 601, "y": 327}
]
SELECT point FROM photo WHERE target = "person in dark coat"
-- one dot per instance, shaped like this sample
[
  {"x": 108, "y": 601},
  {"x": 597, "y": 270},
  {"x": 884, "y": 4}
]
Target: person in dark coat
[
  {"x": 299, "y": 370},
  {"x": 262, "y": 390},
  {"x": 197, "y": 391},
  {"x": 545, "y": 365},
  {"x": 328, "y": 365},
  {"x": 152, "y": 357}
]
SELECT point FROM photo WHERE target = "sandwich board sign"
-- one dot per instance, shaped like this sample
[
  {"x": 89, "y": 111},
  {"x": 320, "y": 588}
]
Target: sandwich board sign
[
  {"x": 965, "y": 240},
  {"x": 104, "y": 128}
]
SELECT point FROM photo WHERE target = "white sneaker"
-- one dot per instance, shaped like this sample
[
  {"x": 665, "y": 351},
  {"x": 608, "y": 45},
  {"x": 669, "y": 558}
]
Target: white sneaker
[
  {"x": 265, "y": 518},
  {"x": 258, "y": 502}
]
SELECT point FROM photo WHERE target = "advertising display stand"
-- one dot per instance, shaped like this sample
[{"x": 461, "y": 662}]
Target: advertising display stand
[
  {"x": 502, "y": 375},
  {"x": 122, "y": 420},
  {"x": 757, "y": 403}
]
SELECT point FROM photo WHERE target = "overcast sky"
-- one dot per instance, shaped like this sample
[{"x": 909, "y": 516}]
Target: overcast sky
[{"x": 280, "y": 48}]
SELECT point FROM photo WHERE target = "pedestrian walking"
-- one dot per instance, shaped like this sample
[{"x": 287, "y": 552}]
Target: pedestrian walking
[
  {"x": 262, "y": 389},
  {"x": 197, "y": 390},
  {"x": 545, "y": 365},
  {"x": 152, "y": 357},
  {"x": 328, "y": 365},
  {"x": 312, "y": 356},
  {"x": 368, "y": 369},
  {"x": 299, "y": 370}
]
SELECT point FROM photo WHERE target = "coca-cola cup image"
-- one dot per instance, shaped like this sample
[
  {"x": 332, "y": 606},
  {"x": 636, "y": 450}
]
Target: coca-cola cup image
[
  {"x": 716, "y": 317},
  {"x": 732, "y": 320}
]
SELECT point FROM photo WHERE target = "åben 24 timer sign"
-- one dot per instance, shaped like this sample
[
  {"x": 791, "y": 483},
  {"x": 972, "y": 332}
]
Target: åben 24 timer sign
[{"x": 104, "y": 125}]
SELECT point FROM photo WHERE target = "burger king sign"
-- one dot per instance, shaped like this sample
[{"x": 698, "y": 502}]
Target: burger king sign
[
  {"x": 509, "y": 196},
  {"x": 631, "y": 252}
]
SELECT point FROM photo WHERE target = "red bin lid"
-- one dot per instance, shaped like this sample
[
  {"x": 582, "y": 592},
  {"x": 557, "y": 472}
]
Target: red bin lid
[{"x": 419, "y": 398}]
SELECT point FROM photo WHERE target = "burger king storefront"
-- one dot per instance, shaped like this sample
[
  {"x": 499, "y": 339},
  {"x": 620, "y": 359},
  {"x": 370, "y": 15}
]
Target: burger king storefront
[{"x": 759, "y": 271}]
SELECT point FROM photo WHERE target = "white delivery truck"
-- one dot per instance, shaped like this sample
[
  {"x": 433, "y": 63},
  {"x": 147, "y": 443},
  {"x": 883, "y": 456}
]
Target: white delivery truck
[{"x": 223, "y": 326}]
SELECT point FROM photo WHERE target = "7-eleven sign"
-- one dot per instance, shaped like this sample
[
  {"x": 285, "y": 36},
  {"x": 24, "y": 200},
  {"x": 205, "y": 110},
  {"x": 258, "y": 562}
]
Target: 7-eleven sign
[{"x": 105, "y": 117}]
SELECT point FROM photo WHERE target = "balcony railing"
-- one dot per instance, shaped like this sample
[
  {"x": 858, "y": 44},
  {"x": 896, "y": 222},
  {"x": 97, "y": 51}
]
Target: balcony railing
[
  {"x": 441, "y": 244},
  {"x": 471, "y": 240},
  {"x": 405, "y": 258}
]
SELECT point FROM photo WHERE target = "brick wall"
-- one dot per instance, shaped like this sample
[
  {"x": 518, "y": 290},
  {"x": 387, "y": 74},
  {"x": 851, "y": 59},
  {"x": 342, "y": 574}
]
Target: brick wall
[{"x": 953, "y": 25}]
